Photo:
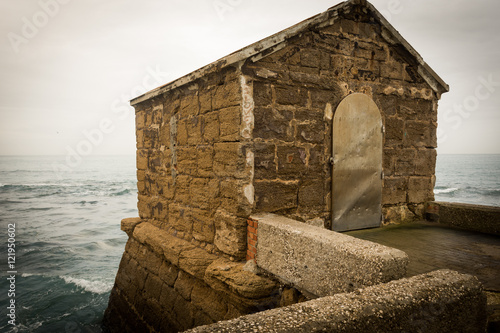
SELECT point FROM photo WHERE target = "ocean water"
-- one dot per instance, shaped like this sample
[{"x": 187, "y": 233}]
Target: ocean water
[
  {"x": 471, "y": 179},
  {"x": 68, "y": 241},
  {"x": 68, "y": 238}
]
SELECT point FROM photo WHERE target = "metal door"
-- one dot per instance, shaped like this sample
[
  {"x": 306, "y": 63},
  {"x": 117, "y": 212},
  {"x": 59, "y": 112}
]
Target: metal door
[{"x": 357, "y": 164}]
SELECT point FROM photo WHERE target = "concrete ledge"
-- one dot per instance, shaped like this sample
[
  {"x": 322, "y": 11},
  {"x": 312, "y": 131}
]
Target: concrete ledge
[
  {"x": 320, "y": 261},
  {"x": 479, "y": 218},
  {"x": 441, "y": 301}
]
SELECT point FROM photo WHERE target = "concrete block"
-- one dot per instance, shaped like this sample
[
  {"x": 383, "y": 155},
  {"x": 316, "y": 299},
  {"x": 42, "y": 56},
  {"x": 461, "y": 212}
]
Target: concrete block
[
  {"x": 479, "y": 218},
  {"x": 323, "y": 262},
  {"x": 441, "y": 301}
]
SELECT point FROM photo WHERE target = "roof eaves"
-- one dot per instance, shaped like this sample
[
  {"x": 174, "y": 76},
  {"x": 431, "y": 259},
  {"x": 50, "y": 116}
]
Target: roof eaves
[
  {"x": 271, "y": 43},
  {"x": 244, "y": 53},
  {"x": 427, "y": 73}
]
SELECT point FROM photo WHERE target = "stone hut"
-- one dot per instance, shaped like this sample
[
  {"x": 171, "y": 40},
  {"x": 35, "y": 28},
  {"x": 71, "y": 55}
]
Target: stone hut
[{"x": 331, "y": 122}]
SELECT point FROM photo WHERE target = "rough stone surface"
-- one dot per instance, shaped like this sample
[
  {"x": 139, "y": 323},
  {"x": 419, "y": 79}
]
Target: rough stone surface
[
  {"x": 128, "y": 225},
  {"x": 441, "y": 301},
  {"x": 166, "y": 284},
  {"x": 323, "y": 262},
  {"x": 465, "y": 216}
]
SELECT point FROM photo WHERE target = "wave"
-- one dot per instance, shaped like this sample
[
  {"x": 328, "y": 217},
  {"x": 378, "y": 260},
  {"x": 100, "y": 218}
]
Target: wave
[
  {"x": 445, "y": 190},
  {"x": 123, "y": 192},
  {"x": 493, "y": 193},
  {"x": 84, "y": 202},
  {"x": 96, "y": 287}
]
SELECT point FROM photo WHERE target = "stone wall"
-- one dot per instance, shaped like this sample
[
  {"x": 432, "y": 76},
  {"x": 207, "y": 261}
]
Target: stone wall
[
  {"x": 441, "y": 301},
  {"x": 195, "y": 164},
  {"x": 166, "y": 284},
  {"x": 296, "y": 92}
]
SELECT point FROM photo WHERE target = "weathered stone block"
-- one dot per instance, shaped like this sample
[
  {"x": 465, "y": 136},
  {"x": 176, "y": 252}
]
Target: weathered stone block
[
  {"x": 167, "y": 297},
  {"x": 310, "y": 58},
  {"x": 316, "y": 160},
  {"x": 265, "y": 166},
  {"x": 425, "y": 162},
  {"x": 143, "y": 206},
  {"x": 204, "y": 193},
  {"x": 168, "y": 273},
  {"x": 230, "y": 234},
  {"x": 272, "y": 196},
  {"x": 195, "y": 261},
  {"x": 210, "y": 127},
  {"x": 179, "y": 218},
  {"x": 392, "y": 70},
  {"x": 209, "y": 301},
  {"x": 320, "y": 97},
  {"x": 181, "y": 134},
  {"x": 388, "y": 161},
  {"x": 262, "y": 94},
  {"x": 230, "y": 122},
  {"x": 203, "y": 225},
  {"x": 234, "y": 199},
  {"x": 420, "y": 189},
  {"x": 394, "y": 131},
  {"x": 389, "y": 105},
  {"x": 417, "y": 109},
  {"x": 205, "y": 160},
  {"x": 193, "y": 126},
  {"x": 128, "y": 225},
  {"x": 291, "y": 161},
  {"x": 310, "y": 126},
  {"x": 229, "y": 160},
  {"x": 227, "y": 95},
  {"x": 184, "y": 313},
  {"x": 152, "y": 287},
  {"x": 311, "y": 194},
  {"x": 189, "y": 106},
  {"x": 229, "y": 278},
  {"x": 394, "y": 190},
  {"x": 142, "y": 159},
  {"x": 205, "y": 99},
  {"x": 184, "y": 285},
  {"x": 271, "y": 123},
  {"x": 150, "y": 137},
  {"x": 404, "y": 161},
  {"x": 420, "y": 134},
  {"x": 140, "y": 119},
  {"x": 166, "y": 185},
  {"x": 297, "y": 97},
  {"x": 182, "y": 189}
]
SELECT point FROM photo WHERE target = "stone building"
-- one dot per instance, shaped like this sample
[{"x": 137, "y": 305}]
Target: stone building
[{"x": 331, "y": 122}]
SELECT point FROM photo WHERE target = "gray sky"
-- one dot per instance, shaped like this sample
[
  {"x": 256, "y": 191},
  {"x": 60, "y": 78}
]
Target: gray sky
[{"x": 68, "y": 68}]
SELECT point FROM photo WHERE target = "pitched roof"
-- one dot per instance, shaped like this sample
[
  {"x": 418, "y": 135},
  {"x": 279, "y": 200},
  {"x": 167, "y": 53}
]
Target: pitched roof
[{"x": 278, "y": 41}]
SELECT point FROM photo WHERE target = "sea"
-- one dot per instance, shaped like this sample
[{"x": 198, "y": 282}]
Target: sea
[{"x": 63, "y": 218}]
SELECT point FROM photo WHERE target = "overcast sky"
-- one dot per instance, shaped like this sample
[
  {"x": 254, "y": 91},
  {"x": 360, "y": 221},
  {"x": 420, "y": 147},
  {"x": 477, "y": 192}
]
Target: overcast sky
[{"x": 68, "y": 68}]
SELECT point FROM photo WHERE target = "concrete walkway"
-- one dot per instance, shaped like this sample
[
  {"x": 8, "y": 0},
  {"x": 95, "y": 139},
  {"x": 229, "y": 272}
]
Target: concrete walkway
[{"x": 431, "y": 247}]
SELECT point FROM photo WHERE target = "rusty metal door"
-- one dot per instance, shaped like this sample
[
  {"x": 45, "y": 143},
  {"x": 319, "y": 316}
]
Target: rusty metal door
[{"x": 357, "y": 164}]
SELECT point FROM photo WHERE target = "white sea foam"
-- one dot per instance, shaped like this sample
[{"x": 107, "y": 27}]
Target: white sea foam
[
  {"x": 97, "y": 287},
  {"x": 445, "y": 190}
]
